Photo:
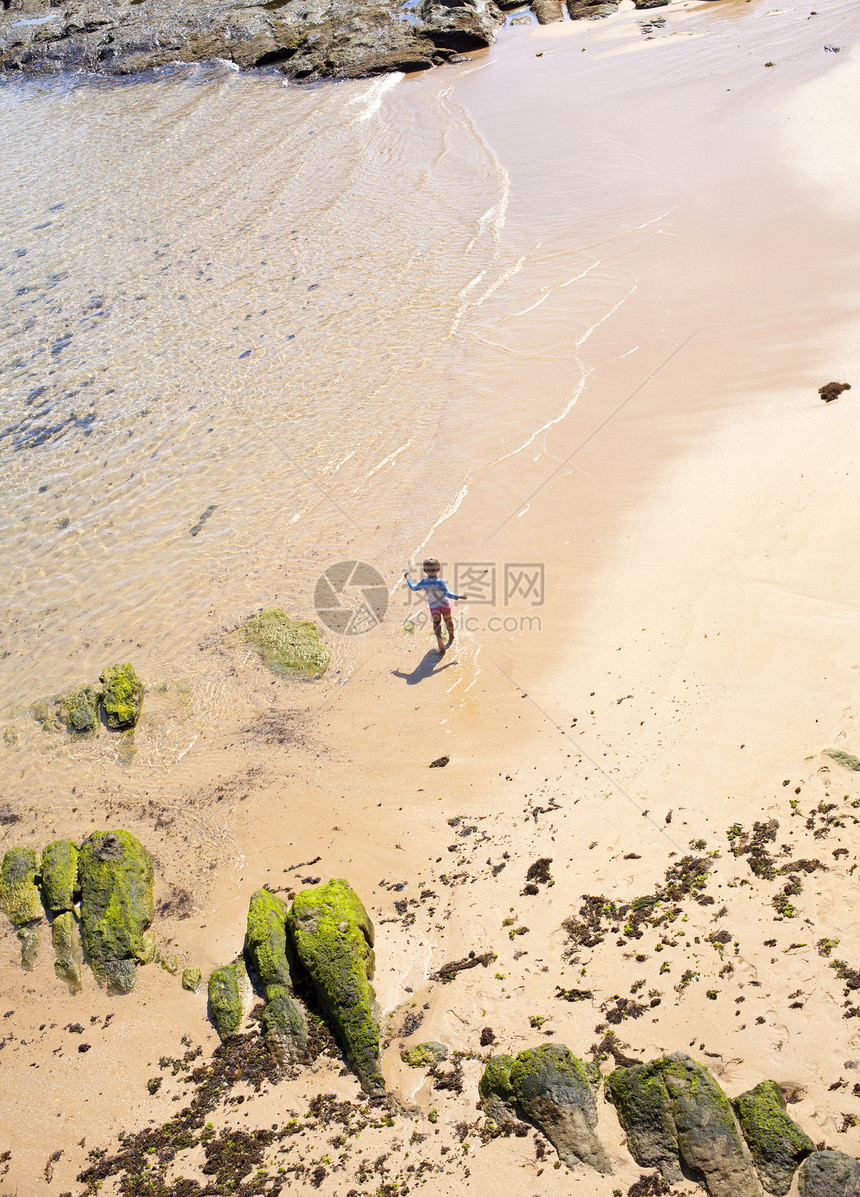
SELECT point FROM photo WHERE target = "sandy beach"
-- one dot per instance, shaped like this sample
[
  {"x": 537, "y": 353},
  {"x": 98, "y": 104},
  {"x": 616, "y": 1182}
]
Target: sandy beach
[{"x": 668, "y": 654}]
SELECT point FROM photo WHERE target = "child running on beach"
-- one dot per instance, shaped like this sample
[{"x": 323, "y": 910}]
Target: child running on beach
[{"x": 438, "y": 596}]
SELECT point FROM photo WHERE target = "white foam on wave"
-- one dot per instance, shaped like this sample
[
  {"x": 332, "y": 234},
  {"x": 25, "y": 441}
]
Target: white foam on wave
[
  {"x": 371, "y": 98},
  {"x": 391, "y": 456}
]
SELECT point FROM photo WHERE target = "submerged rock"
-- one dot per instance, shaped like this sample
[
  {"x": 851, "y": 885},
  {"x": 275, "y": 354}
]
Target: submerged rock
[
  {"x": 287, "y": 645},
  {"x": 673, "y": 1112},
  {"x": 230, "y": 997},
  {"x": 269, "y": 953},
  {"x": 30, "y": 937},
  {"x": 60, "y": 882},
  {"x": 19, "y": 894},
  {"x": 333, "y": 937},
  {"x": 778, "y": 1145},
  {"x": 424, "y": 1055},
  {"x": 829, "y": 1174},
  {"x": 80, "y": 709},
  {"x": 116, "y": 905},
  {"x": 123, "y": 696},
  {"x": 67, "y": 962}
]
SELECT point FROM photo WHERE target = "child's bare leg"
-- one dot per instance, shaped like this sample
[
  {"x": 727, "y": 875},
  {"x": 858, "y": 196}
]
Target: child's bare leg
[
  {"x": 449, "y": 624},
  {"x": 437, "y": 628}
]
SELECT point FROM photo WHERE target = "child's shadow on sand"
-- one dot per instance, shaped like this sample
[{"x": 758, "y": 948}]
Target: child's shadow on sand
[{"x": 431, "y": 664}]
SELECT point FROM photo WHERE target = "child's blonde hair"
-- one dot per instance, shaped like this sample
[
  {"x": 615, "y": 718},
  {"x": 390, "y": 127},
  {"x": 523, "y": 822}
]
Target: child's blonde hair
[{"x": 432, "y": 566}]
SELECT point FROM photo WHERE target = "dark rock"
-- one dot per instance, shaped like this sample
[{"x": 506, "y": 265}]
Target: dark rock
[
  {"x": 829, "y": 1174},
  {"x": 673, "y": 1111},
  {"x": 832, "y": 390},
  {"x": 460, "y": 24},
  {"x": 548, "y": 11},
  {"x": 333, "y": 938},
  {"x": 650, "y": 3},
  {"x": 579, "y": 10},
  {"x": 116, "y": 905},
  {"x": 777, "y": 1144},
  {"x": 550, "y": 1087}
]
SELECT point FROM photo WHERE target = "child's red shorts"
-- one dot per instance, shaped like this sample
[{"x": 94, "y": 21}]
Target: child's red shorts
[{"x": 438, "y": 612}]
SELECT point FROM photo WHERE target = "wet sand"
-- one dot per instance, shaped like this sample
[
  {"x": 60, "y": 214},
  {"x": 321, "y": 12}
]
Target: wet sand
[{"x": 694, "y": 512}]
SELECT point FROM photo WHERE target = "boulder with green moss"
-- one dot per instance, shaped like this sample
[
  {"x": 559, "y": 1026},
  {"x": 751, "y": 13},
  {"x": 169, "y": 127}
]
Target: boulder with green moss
[
  {"x": 333, "y": 938},
  {"x": 270, "y": 956},
  {"x": 80, "y": 709},
  {"x": 61, "y": 885},
  {"x": 829, "y": 1174},
  {"x": 67, "y": 956},
  {"x": 191, "y": 979},
  {"x": 287, "y": 645},
  {"x": 19, "y": 893},
  {"x": 424, "y": 1055},
  {"x": 690, "y": 1122},
  {"x": 116, "y": 905},
  {"x": 29, "y": 938},
  {"x": 122, "y": 697},
  {"x": 550, "y": 1086},
  {"x": 846, "y": 759},
  {"x": 496, "y": 1091},
  {"x": 230, "y": 997},
  {"x": 778, "y": 1145}
]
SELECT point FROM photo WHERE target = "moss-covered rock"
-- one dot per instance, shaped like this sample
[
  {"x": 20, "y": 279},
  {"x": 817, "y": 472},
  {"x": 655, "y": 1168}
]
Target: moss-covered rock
[
  {"x": 67, "y": 956},
  {"x": 60, "y": 882},
  {"x": 778, "y": 1145},
  {"x": 230, "y": 996},
  {"x": 846, "y": 759},
  {"x": 80, "y": 709},
  {"x": 123, "y": 696},
  {"x": 30, "y": 937},
  {"x": 48, "y": 715},
  {"x": 287, "y": 645},
  {"x": 496, "y": 1091},
  {"x": 550, "y": 1086},
  {"x": 424, "y": 1055},
  {"x": 333, "y": 938},
  {"x": 829, "y": 1174},
  {"x": 270, "y": 956},
  {"x": 170, "y": 964},
  {"x": 19, "y": 894},
  {"x": 644, "y": 1110},
  {"x": 116, "y": 905},
  {"x": 191, "y": 978}
]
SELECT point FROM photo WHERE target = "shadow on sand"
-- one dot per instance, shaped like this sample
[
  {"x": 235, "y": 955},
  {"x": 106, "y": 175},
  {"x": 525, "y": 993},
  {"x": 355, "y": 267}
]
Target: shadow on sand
[{"x": 430, "y": 664}]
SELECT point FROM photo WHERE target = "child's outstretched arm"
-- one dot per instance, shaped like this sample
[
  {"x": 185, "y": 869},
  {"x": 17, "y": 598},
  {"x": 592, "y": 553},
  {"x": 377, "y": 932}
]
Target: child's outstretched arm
[{"x": 412, "y": 585}]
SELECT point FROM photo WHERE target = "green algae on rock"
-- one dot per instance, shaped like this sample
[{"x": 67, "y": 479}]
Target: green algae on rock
[
  {"x": 116, "y": 905},
  {"x": 123, "y": 696},
  {"x": 846, "y": 759},
  {"x": 333, "y": 937},
  {"x": 287, "y": 645},
  {"x": 80, "y": 709},
  {"x": 270, "y": 955},
  {"x": 67, "y": 962},
  {"x": 778, "y": 1145},
  {"x": 19, "y": 894},
  {"x": 496, "y": 1091},
  {"x": 229, "y": 997},
  {"x": 424, "y": 1055},
  {"x": 674, "y": 1108},
  {"x": 829, "y": 1174},
  {"x": 191, "y": 979},
  {"x": 551, "y": 1087},
  {"x": 30, "y": 938},
  {"x": 60, "y": 882}
]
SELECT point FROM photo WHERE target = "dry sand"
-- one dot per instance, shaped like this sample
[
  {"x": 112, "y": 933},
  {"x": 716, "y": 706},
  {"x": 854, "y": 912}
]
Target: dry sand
[{"x": 695, "y": 655}]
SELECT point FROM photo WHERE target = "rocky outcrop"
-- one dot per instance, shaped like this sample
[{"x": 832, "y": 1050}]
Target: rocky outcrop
[
  {"x": 674, "y": 1112},
  {"x": 122, "y": 697},
  {"x": 230, "y": 996},
  {"x": 116, "y": 906},
  {"x": 550, "y": 1087},
  {"x": 829, "y": 1174},
  {"x": 333, "y": 938},
  {"x": 287, "y": 645},
  {"x": 19, "y": 894},
  {"x": 268, "y": 953},
  {"x": 308, "y": 40},
  {"x": 61, "y": 885},
  {"x": 778, "y": 1145},
  {"x": 80, "y": 709}
]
